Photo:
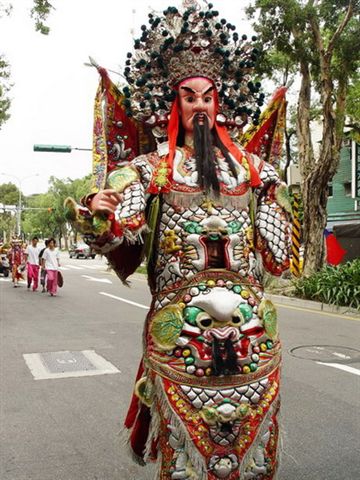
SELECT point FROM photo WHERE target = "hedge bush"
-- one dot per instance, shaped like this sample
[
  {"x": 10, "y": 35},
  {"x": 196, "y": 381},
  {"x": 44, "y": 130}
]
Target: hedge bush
[{"x": 338, "y": 285}]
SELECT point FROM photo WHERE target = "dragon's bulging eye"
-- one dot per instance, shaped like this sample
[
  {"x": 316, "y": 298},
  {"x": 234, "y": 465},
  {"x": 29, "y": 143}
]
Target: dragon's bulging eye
[
  {"x": 205, "y": 322},
  {"x": 236, "y": 320}
]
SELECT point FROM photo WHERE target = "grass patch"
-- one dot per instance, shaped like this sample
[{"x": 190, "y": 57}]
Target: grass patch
[
  {"x": 141, "y": 269},
  {"x": 338, "y": 285}
]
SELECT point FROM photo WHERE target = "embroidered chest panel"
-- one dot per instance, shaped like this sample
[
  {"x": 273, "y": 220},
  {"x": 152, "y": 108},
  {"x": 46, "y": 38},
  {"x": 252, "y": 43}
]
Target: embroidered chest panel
[{"x": 194, "y": 238}]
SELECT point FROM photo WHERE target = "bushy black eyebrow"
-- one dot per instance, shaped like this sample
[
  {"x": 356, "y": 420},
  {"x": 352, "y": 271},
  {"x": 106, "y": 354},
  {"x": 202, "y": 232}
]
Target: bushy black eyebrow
[
  {"x": 209, "y": 90},
  {"x": 188, "y": 89}
]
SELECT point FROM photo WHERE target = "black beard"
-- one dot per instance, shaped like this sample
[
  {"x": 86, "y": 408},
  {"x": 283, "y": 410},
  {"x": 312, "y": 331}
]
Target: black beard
[{"x": 205, "y": 157}]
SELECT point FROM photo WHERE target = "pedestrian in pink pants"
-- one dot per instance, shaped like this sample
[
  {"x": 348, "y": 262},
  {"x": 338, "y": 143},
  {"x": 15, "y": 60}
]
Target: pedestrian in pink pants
[
  {"x": 32, "y": 259},
  {"x": 51, "y": 262}
]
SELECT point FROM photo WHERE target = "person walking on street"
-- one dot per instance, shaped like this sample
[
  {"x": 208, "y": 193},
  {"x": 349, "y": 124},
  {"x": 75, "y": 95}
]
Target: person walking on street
[
  {"x": 32, "y": 259},
  {"x": 43, "y": 271},
  {"x": 51, "y": 262}
]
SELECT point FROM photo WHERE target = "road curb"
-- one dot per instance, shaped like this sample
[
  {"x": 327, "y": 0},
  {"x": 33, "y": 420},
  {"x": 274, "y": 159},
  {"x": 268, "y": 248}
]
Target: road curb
[{"x": 311, "y": 305}]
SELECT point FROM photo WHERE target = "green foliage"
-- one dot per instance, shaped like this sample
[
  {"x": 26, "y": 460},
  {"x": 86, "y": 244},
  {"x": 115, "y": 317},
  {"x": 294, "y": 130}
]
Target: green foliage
[
  {"x": 4, "y": 89},
  {"x": 353, "y": 105},
  {"x": 39, "y": 13},
  {"x": 338, "y": 285},
  {"x": 9, "y": 194},
  {"x": 48, "y": 217}
]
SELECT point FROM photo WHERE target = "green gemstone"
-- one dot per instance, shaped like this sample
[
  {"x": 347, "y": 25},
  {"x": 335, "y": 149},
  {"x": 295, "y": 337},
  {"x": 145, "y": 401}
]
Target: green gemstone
[
  {"x": 189, "y": 360},
  {"x": 202, "y": 286},
  {"x": 253, "y": 367},
  {"x": 269, "y": 344},
  {"x": 236, "y": 288},
  {"x": 246, "y": 310}
]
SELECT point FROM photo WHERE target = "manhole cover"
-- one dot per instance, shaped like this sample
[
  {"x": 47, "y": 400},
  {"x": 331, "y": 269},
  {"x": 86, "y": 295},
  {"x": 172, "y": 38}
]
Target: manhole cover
[
  {"x": 326, "y": 353},
  {"x": 61, "y": 362},
  {"x": 67, "y": 364}
]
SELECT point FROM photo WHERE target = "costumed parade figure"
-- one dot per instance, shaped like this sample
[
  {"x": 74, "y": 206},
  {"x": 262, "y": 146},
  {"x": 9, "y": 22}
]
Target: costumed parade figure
[
  {"x": 209, "y": 216},
  {"x": 17, "y": 261}
]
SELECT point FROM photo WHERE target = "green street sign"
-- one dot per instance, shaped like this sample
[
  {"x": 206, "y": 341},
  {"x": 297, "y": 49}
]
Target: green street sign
[{"x": 52, "y": 148}]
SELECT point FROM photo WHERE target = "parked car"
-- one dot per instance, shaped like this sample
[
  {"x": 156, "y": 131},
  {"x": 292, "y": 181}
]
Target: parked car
[
  {"x": 4, "y": 265},
  {"x": 81, "y": 250}
]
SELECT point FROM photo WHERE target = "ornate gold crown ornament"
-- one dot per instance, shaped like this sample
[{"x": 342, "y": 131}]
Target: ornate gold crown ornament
[{"x": 188, "y": 43}]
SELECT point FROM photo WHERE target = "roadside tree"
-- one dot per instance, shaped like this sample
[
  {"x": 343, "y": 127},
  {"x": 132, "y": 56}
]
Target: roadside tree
[{"x": 320, "y": 38}]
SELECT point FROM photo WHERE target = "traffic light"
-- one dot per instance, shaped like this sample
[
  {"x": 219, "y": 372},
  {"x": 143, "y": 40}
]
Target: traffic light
[{"x": 52, "y": 148}]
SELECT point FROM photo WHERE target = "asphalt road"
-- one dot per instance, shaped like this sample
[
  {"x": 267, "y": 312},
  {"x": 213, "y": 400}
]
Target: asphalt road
[{"x": 69, "y": 428}]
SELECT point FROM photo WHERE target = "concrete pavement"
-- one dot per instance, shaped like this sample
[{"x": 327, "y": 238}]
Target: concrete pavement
[{"x": 67, "y": 429}]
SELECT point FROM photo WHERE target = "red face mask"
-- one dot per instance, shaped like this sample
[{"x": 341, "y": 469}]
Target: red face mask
[{"x": 197, "y": 96}]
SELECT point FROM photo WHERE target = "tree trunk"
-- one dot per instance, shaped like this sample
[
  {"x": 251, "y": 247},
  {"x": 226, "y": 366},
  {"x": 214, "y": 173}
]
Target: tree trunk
[
  {"x": 315, "y": 189},
  {"x": 313, "y": 222},
  {"x": 318, "y": 175}
]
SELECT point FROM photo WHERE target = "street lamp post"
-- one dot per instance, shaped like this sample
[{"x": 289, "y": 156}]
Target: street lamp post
[{"x": 19, "y": 209}]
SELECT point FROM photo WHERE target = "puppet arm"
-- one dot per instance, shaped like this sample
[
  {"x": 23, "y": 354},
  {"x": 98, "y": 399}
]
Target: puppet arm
[{"x": 272, "y": 221}]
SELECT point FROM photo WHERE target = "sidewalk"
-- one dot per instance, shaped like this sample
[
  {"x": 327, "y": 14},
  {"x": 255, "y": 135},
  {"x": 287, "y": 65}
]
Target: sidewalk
[{"x": 311, "y": 305}]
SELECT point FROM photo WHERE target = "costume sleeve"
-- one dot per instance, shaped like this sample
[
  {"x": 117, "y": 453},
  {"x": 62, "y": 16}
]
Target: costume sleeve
[
  {"x": 120, "y": 236},
  {"x": 272, "y": 221}
]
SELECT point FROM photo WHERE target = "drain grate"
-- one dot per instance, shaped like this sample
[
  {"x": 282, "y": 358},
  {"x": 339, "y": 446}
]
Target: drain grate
[
  {"x": 64, "y": 364},
  {"x": 326, "y": 353}
]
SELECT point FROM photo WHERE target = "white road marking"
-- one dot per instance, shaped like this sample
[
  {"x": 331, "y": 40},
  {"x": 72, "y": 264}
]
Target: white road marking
[
  {"x": 92, "y": 267},
  {"x": 339, "y": 366},
  {"x": 94, "y": 279},
  {"x": 124, "y": 300},
  {"x": 75, "y": 268},
  {"x": 8, "y": 279},
  {"x": 341, "y": 355}
]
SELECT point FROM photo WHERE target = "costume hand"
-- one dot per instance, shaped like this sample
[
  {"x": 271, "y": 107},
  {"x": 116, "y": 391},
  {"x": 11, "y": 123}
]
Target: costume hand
[{"x": 105, "y": 201}]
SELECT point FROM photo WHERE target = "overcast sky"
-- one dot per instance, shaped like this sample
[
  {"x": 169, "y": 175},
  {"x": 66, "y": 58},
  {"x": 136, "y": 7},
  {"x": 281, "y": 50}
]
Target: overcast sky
[{"x": 53, "y": 93}]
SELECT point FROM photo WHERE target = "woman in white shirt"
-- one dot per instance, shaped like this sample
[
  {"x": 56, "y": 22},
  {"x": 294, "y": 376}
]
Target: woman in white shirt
[{"x": 51, "y": 262}]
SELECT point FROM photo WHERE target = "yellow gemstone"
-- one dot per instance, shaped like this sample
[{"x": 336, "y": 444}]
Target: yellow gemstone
[
  {"x": 175, "y": 397},
  {"x": 211, "y": 283},
  {"x": 245, "y": 294},
  {"x": 208, "y": 372},
  {"x": 186, "y": 352},
  {"x": 246, "y": 369},
  {"x": 180, "y": 403},
  {"x": 263, "y": 347},
  {"x": 182, "y": 305},
  {"x": 260, "y": 410}
]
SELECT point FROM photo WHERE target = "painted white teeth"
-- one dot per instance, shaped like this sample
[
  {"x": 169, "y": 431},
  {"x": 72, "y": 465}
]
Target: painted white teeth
[
  {"x": 200, "y": 397},
  {"x": 255, "y": 398}
]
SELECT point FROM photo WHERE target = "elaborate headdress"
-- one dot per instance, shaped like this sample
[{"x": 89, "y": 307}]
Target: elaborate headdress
[
  {"x": 188, "y": 43},
  {"x": 177, "y": 45}
]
